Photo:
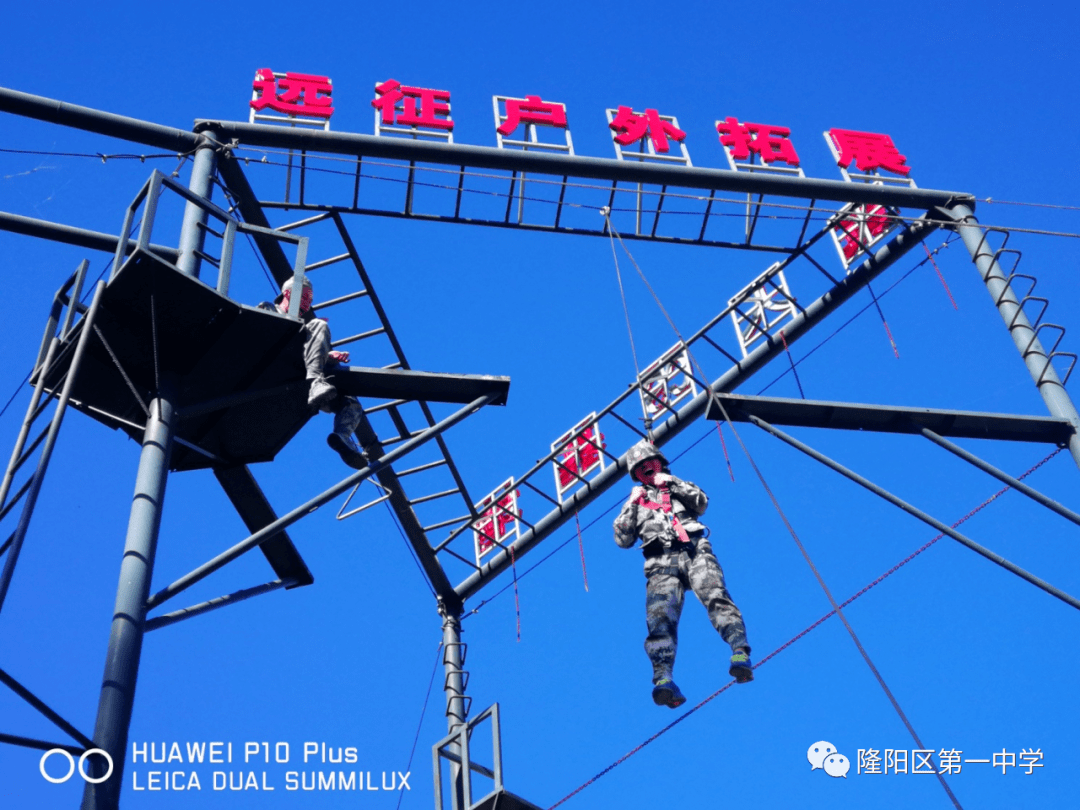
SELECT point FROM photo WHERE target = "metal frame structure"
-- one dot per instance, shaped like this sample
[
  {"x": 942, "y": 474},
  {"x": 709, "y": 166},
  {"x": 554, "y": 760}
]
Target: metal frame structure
[{"x": 218, "y": 145}]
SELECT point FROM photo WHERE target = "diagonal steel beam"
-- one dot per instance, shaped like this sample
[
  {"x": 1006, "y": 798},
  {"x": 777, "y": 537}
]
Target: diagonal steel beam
[{"x": 742, "y": 371}]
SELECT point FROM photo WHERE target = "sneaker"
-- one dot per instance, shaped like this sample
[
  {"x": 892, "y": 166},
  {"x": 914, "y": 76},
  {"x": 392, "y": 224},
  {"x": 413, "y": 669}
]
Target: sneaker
[
  {"x": 346, "y": 447},
  {"x": 666, "y": 693},
  {"x": 741, "y": 669},
  {"x": 320, "y": 394}
]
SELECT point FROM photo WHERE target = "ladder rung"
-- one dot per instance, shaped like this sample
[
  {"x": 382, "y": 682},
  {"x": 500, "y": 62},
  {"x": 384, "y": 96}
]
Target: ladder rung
[
  {"x": 422, "y": 467},
  {"x": 207, "y": 257},
  {"x": 397, "y": 439},
  {"x": 33, "y": 446},
  {"x": 208, "y": 229},
  {"x": 18, "y": 496},
  {"x": 446, "y": 523},
  {"x": 383, "y": 406},
  {"x": 425, "y": 498},
  {"x": 341, "y": 300},
  {"x": 325, "y": 263},
  {"x": 361, "y": 336},
  {"x": 393, "y": 365}
]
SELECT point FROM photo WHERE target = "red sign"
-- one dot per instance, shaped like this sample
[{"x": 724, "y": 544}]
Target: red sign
[
  {"x": 861, "y": 228},
  {"x": 492, "y": 528},
  {"x": 631, "y": 127},
  {"x": 434, "y": 111},
  {"x": 770, "y": 142},
  {"x": 869, "y": 150},
  {"x": 531, "y": 110},
  {"x": 293, "y": 94},
  {"x": 580, "y": 457}
]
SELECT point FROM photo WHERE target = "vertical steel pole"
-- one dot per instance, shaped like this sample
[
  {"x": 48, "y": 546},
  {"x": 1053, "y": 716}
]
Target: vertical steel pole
[
  {"x": 129, "y": 615},
  {"x": 454, "y": 687},
  {"x": 1050, "y": 387},
  {"x": 192, "y": 234}
]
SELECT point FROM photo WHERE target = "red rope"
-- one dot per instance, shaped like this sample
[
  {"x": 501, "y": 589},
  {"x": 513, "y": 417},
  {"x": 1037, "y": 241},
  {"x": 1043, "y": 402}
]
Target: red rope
[
  {"x": 581, "y": 547},
  {"x": 795, "y": 638},
  {"x": 517, "y": 603},
  {"x": 948, "y": 292},
  {"x": 727, "y": 460}
]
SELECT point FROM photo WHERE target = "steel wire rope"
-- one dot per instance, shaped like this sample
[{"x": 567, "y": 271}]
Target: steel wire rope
[
  {"x": 804, "y": 632},
  {"x": 412, "y": 552},
  {"x": 420, "y": 724},
  {"x": 896, "y": 218},
  {"x": 234, "y": 208},
  {"x": 103, "y": 157},
  {"x": 952, "y": 238},
  {"x": 787, "y": 524}
]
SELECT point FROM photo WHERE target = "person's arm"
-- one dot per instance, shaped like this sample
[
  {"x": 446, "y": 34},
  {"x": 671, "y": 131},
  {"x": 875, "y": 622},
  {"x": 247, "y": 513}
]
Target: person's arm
[{"x": 626, "y": 523}]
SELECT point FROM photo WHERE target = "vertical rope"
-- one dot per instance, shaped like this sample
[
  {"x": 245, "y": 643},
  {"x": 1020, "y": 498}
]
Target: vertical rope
[
  {"x": 720, "y": 433},
  {"x": 517, "y": 602},
  {"x": 581, "y": 547},
  {"x": 941, "y": 278},
  {"x": 884, "y": 322},
  {"x": 791, "y": 360}
]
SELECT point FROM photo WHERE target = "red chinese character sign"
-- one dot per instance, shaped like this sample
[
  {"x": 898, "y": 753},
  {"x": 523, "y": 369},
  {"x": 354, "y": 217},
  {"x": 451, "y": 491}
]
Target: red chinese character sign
[
  {"x": 761, "y": 307},
  {"x": 745, "y": 144},
  {"x": 412, "y": 111},
  {"x": 531, "y": 112},
  {"x": 667, "y": 380},
  {"x": 300, "y": 98},
  {"x": 872, "y": 153},
  {"x": 856, "y": 228},
  {"x": 580, "y": 452},
  {"x": 499, "y": 521},
  {"x": 653, "y": 133}
]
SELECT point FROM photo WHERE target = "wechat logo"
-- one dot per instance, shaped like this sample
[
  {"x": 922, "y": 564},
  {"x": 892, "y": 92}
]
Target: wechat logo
[{"x": 823, "y": 755}]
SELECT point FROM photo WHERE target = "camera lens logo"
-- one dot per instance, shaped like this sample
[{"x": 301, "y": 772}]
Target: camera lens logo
[
  {"x": 56, "y": 780},
  {"x": 823, "y": 755}
]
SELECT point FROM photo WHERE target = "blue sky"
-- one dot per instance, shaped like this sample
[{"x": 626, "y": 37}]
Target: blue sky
[{"x": 979, "y": 660}]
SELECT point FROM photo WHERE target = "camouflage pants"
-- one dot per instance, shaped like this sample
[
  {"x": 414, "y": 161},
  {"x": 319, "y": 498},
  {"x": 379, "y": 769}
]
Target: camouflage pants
[{"x": 668, "y": 576}]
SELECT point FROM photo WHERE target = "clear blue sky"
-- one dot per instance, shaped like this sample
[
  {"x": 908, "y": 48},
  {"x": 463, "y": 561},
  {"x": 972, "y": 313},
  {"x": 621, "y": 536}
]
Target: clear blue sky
[{"x": 980, "y": 101}]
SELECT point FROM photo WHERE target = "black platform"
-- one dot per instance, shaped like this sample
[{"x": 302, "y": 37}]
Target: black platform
[{"x": 242, "y": 393}]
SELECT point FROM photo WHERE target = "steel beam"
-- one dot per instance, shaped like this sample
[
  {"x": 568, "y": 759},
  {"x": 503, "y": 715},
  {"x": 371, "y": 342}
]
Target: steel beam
[
  {"x": 428, "y": 386},
  {"x": 892, "y": 419},
  {"x": 742, "y": 371},
  {"x": 1026, "y": 338},
  {"x": 129, "y": 616},
  {"x": 70, "y": 235},
  {"x": 193, "y": 229},
  {"x": 995, "y": 558},
  {"x": 116, "y": 126},
  {"x": 603, "y": 169}
]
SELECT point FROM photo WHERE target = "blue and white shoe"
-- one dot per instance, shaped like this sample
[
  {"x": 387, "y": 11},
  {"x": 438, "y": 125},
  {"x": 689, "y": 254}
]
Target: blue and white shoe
[{"x": 666, "y": 693}]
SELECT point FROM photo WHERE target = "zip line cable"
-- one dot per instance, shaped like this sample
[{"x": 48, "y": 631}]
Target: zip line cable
[
  {"x": 804, "y": 632},
  {"x": 791, "y": 530}
]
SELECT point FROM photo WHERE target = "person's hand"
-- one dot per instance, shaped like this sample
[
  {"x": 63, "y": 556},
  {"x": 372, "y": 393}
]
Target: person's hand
[
  {"x": 341, "y": 357},
  {"x": 662, "y": 478}
]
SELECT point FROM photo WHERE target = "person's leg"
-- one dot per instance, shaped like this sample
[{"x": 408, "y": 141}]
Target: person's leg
[
  {"x": 347, "y": 415},
  {"x": 316, "y": 351},
  {"x": 707, "y": 581},
  {"x": 663, "y": 606}
]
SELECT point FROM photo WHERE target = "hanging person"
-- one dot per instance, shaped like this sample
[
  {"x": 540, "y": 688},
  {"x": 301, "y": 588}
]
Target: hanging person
[
  {"x": 321, "y": 394},
  {"x": 663, "y": 512}
]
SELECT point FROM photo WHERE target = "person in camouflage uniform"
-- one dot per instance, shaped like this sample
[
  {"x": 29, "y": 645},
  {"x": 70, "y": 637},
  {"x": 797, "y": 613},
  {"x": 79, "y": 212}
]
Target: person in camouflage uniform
[{"x": 663, "y": 512}]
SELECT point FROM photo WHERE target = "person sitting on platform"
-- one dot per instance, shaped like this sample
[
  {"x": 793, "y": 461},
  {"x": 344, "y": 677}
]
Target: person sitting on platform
[
  {"x": 663, "y": 511},
  {"x": 321, "y": 394}
]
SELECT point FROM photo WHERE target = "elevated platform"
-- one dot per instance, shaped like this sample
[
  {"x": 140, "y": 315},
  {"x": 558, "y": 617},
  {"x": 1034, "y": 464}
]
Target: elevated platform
[{"x": 242, "y": 393}]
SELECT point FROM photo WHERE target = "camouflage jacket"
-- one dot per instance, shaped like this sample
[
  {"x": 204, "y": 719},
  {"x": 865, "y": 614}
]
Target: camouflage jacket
[{"x": 636, "y": 520}]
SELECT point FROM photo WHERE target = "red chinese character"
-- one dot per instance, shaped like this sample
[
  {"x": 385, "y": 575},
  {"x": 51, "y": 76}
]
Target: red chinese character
[
  {"x": 532, "y": 111},
  {"x": 301, "y": 94},
  {"x": 431, "y": 105},
  {"x": 768, "y": 141},
  {"x": 875, "y": 219},
  {"x": 869, "y": 150},
  {"x": 494, "y": 521},
  {"x": 633, "y": 127},
  {"x": 581, "y": 455}
]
